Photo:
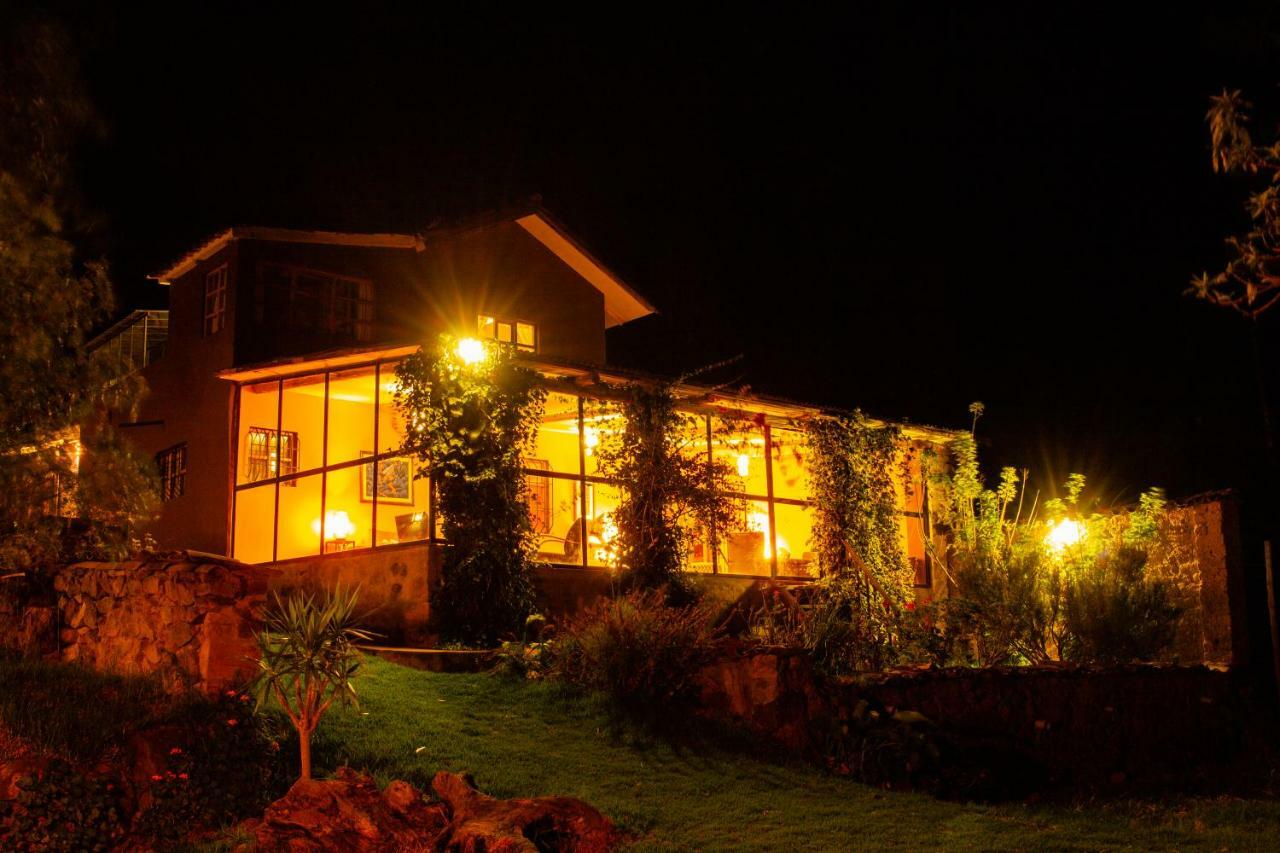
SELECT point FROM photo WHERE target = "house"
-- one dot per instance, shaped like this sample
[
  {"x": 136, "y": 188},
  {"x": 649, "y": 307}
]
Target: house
[{"x": 272, "y": 422}]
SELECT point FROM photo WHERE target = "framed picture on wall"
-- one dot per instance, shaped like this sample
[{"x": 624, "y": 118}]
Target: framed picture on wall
[{"x": 394, "y": 476}]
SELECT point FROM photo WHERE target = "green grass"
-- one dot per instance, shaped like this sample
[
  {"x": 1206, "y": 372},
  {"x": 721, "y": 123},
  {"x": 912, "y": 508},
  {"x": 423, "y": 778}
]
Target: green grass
[
  {"x": 72, "y": 711},
  {"x": 523, "y": 739}
]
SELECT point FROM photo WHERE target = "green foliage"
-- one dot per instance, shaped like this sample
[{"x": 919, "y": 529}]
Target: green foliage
[
  {"x": 642, "y": 652},
  {"x": 1113, "y": 614},
  {"x": 62, "y": 811},
  {"x": 856, "y": 530},
  {"x": 52, "y": 299},
  {"x": 671, "y": 491},
  {"x": 884, "y": 747},
  {"x": 1248, "y": 282},
  {"x": 74, "y": 711},
  {"x": 1017, "y": 598},
  {"x": 231, "y": 770},
  {"x": 821, "y": 619},
  {"x": 308, "y": 659},
  {"x": 469, "y": 426},
  {"x": 528, "y": 656}
]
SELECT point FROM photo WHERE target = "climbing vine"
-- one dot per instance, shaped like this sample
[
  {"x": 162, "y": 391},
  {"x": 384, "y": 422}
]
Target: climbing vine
[
  {"x": 469, "y": 420},
  {"x": 856, "y": 532},
  {"x": 672, "y": 492}
]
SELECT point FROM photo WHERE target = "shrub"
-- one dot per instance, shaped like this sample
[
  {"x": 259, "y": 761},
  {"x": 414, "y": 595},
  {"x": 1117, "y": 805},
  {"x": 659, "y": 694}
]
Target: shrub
[
  {"x": 529, "y": 656},
  {"x": 308, "y": 659},
  {"x": 62, "y": 811},
  {"x": 637, "y": 649},
  {"x": 885, "y": 747},
  {"x": 1114, "y": 614},
  {"x": 231, "y": 769}
]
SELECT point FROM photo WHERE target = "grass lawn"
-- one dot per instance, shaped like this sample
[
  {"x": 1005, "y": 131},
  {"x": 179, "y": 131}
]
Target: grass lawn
[{"x": 523, "y": 739}]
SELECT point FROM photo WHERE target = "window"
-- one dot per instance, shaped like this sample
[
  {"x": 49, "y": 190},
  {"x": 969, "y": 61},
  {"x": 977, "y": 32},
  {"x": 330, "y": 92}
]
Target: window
[
  {"x": 524, "y": 336},
  {"x": 314, "y": 301},
  {"x": 215, "y": 300},
  {"x": 173, "y": 471},
  {"x": 266, "y": 459}
]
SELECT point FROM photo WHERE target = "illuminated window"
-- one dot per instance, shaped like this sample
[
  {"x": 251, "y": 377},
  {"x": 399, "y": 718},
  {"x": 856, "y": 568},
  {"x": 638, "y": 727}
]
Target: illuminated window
[
  {"x": 173, "y": 471},
  {"x": 314, "y": 301},
  {"x": 215, "y": 300},
  {"x": 522, "y": 335},
  {"x": 266, "y": 459}
]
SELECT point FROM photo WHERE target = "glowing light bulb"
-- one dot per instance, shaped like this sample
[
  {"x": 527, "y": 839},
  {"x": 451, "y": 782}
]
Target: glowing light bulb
[
  {"x": 471, "y": 351},
  {"x": 337, "y": 525},
  {"x": 1064, "y": 534}
]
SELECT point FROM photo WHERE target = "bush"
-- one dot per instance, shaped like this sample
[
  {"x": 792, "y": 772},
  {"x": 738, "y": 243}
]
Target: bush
[
  {"x": 231, "y": 769},
  {"x": 1114, "y": 614},
  {"x": 62, "y": 811},
  {"x": 884, "y": 747},
  {"x": 637, "y": 649}
]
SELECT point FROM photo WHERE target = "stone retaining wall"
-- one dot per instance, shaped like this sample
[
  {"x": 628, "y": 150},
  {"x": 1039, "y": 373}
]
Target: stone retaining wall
[
  {"x": 190, "y": 617},
  {"x": 1081, "y": 725}
]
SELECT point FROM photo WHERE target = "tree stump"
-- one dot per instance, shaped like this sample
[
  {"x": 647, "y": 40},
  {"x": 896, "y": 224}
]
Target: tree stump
[{"x": 482, "y": 824}]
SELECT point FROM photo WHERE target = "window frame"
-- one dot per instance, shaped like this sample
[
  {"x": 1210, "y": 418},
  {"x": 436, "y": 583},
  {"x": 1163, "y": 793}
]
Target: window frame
[
  {"x": 513, "y": 325},
  {"x": 172, "y": 463},
  {"x": 285, "y": 464},
  {"x": 215, "y": 291},
  {"x": 325, "y": 300},
  {"x": 581, "y": 479}
]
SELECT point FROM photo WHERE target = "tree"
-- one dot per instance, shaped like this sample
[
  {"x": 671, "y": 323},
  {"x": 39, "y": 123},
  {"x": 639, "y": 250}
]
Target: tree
[
  {"x": 1249, "y": 283},
  {"x": 308, "y": 659},
  {"x": 471, "y": 412},
  {"x": 57, "y": 395}
]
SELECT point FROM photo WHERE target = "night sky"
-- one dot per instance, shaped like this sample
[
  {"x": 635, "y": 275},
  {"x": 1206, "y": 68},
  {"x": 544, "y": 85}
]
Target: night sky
[{"x": 900, "y": 211}]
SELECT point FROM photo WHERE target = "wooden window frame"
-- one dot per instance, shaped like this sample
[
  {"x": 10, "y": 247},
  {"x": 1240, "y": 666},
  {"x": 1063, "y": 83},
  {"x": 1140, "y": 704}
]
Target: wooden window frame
[
  {"x": 495, "y": 324},
  {"x": 215, "y": 300},
  {"x": 172, "y": 462}
]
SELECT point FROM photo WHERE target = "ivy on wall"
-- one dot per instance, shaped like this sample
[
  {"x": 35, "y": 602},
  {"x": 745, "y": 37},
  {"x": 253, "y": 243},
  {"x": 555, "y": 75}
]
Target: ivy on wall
[
  {"x": 856, "y": 525},
  {"x": 672, "y": 491},
  {"x": 468, "y": 422}
]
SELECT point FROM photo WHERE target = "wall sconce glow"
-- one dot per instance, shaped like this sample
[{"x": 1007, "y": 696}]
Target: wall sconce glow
[
  {"x": 471, "y": 351},
  {"x": 337, "y": 525},
  {"x": 1064, "y": 534},
  {"x": 744, "y": 465}
]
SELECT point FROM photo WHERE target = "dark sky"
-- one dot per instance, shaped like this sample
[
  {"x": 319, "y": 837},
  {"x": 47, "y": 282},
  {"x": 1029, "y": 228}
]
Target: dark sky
[{"x": 903, "y": 211}]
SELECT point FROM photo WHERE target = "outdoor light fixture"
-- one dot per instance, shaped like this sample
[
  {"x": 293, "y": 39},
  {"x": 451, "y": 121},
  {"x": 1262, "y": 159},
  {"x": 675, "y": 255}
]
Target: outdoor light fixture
[
  {"x": 1064, "y": 534},
  {"x": 471, "y": 351}
]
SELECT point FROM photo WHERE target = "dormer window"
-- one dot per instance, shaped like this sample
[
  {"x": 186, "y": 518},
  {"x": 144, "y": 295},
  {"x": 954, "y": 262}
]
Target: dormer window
[
  {"x": 307, "y": 300},
  {"x": 523, "y": 336},
  {"x": 215, "y": 300}
]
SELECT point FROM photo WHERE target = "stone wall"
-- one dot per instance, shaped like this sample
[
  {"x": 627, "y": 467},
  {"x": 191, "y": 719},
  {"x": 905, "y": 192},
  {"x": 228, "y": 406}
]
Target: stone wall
[
  {"x": 1081, "y": 725},
  {"x": 190, "y": 617}
]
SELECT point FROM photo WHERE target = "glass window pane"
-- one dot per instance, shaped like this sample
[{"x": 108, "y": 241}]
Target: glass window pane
[
  {"x": 255, "y": 523},
  {"x": 348, "y": 510},
  {"x": 350, "y": 414},
  {"x": 790, "y": 463},
  {"x": 400, "y": 518},
  {"x": 602, "y": 530},
  {"x": 603, "y": 423},
  {"x": 298, "y": 526},
  {"x": 744, "y": 548},
  {"x": 739, "y": 444},
  {"x": 504, "y": 333},
  {"x": 555, "y": 507},
  {"x": 526, "y": 336},
  {"x": 796, "y": 557},
  {"x": 303, "y": 415},
  {"x": 485, "y": 327},
  {"x": 259, "y": 412},
  {"x": 556, "y": 445}
]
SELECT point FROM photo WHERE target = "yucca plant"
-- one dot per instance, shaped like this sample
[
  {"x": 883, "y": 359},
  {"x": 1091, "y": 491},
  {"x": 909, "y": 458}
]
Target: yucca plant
[{"x": 308, "y": 659}]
